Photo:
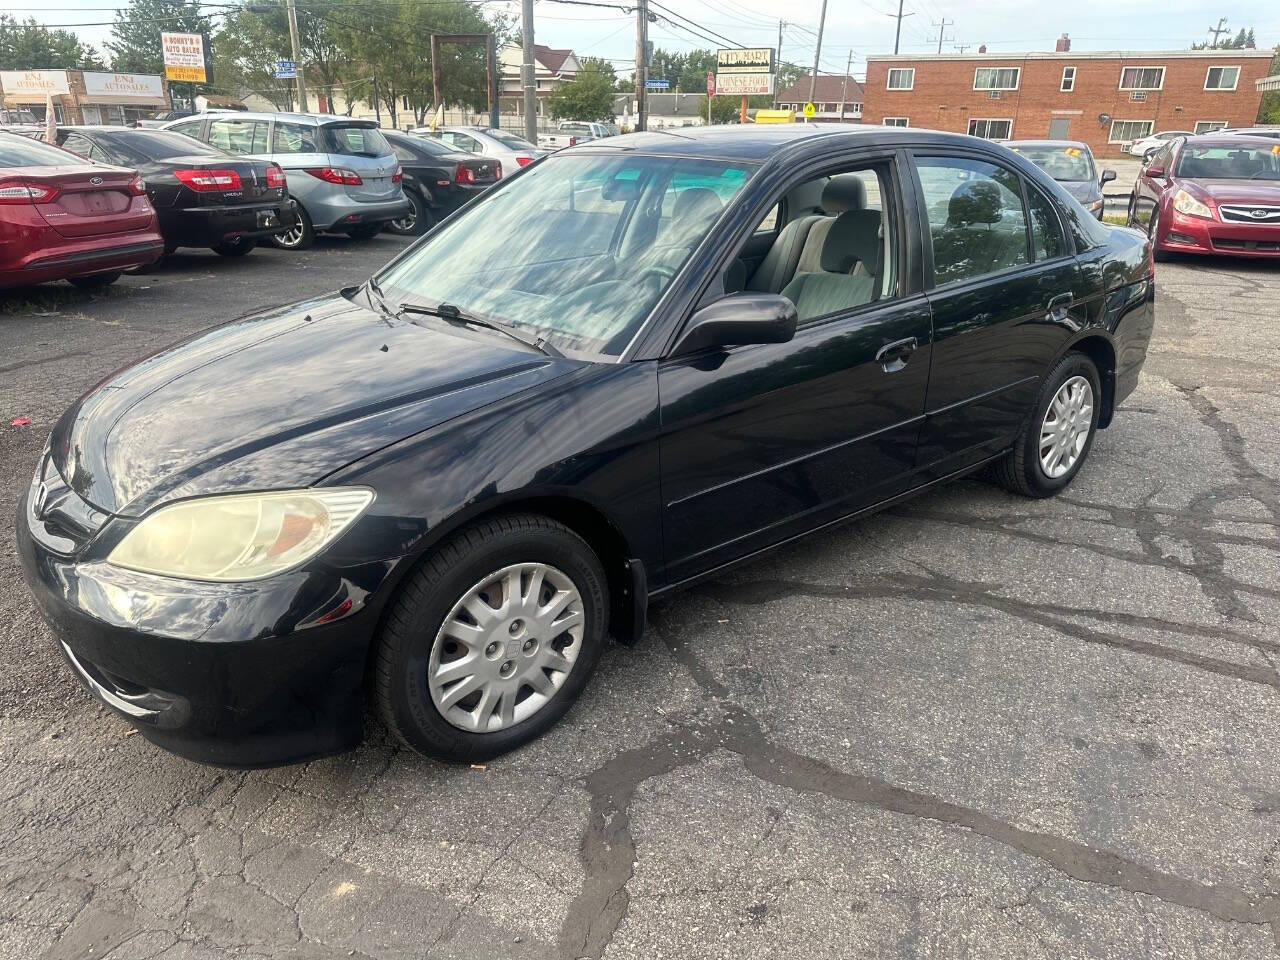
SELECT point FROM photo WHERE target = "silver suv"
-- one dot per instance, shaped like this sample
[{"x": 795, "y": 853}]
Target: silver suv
[{"x": 342, "y": 173}]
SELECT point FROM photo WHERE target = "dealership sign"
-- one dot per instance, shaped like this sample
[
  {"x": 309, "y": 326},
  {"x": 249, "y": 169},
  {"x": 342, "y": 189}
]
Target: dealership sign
[
  {"x": 34, "y": 83},
  {"x": 744, "y": 71},
  {"x": 123, "y": 86},
  {"x": 187, "y": 57}
]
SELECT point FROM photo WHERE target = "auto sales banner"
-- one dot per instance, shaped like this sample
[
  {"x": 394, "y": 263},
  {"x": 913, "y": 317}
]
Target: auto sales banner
[{"x": 187, "y": 57}]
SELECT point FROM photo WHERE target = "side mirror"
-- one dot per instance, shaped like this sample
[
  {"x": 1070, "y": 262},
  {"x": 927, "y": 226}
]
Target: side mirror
[
  {"x": 1156, "y": 173},
  {"x": 739, "y": 319},
  {"x": 1107, "y": 176}
]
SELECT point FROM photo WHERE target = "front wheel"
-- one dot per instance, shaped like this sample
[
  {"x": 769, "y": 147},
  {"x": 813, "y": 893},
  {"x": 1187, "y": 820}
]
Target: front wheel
[
  {"x": 1055, "y": 440},
  {"x": 491, "y": 639},
  {"x": 1153, "y": 232}
]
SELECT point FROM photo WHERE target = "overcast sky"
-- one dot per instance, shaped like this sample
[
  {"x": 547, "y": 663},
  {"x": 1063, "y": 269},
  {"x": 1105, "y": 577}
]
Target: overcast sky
[{"x": 861, "y": 26}]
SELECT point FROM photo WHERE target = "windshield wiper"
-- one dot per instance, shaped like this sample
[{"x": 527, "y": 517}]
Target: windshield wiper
[{"x": 450, "y": 313}]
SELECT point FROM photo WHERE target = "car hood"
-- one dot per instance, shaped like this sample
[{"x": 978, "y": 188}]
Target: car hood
[
  {"x": 1238, "y": 191},
  {"x": 278, "y": 400},
  {"x": 1086, "y": 191}
]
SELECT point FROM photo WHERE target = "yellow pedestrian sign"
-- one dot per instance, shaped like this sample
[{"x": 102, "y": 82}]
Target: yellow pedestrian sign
[{"x": 809, "y": 111}]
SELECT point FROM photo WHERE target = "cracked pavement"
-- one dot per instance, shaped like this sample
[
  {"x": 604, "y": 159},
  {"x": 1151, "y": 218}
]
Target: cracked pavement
[{"x": 974, "y": 725}]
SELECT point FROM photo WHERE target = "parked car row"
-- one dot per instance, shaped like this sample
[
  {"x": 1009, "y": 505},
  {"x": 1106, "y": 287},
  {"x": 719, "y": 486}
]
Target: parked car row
[
  {"x": 1146, "y": 147},
  {"x": 227, "y": 181}
]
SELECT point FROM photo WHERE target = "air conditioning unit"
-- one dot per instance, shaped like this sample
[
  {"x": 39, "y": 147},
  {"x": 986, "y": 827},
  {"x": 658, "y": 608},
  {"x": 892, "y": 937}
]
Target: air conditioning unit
[
  {"x": 993, "y": 95},
  {"x": 1138, "y": 96}
]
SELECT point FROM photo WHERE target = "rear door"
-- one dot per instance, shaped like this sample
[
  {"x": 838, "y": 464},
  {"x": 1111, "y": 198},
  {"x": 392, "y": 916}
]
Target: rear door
[
  {"x": 1005, "y": 293},
  {"x": 364, "y": 150}
]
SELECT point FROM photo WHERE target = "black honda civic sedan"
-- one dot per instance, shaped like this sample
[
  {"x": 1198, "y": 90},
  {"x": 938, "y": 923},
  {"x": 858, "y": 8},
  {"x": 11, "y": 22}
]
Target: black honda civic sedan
[
  {"x": 629, "y": 366},
  {"x": 203, "y": 196}
]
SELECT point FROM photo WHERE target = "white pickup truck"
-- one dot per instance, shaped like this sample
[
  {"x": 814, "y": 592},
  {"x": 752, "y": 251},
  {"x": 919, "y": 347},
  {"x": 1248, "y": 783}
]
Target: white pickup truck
[{"x": 571, "y": 132}]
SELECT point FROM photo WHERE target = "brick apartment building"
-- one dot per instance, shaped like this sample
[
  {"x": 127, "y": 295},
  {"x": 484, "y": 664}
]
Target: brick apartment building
[{"x": 1105, "y": 99}]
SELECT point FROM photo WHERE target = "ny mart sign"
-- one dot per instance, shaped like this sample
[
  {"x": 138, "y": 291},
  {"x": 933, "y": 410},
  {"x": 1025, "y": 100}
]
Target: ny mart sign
[{"x": 744, "y": 72}]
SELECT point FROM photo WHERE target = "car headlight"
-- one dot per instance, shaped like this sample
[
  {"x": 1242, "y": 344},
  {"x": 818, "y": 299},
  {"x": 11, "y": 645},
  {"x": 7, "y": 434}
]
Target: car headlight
[
  {"x": 1184, "y": 202},
  {"x": 240, "y": 536}
]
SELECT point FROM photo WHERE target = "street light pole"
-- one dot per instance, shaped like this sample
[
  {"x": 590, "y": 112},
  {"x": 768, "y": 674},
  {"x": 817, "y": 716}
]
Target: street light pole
[{"x": 297, "y": 56}]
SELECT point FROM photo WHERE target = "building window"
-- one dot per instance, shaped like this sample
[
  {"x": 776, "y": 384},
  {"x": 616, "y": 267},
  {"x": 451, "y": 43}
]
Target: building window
[
  {"x": 1142, "y": 78},
  {"x": 996, "y": 78},
  {"x": 990, "y": 129},
  {"x": 1208, "y": 126},
  {"x": 1068, "y": 79},
  {"x": 902, "y": 78},
  {"x": 895, "y": 122},
  {"x": 1222, "y": 78},
  {"x": 1122, "y": 131}
]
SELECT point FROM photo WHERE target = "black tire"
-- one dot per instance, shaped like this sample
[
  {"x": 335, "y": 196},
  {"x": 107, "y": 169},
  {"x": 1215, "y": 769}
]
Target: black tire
[
  {"x": 1021, "y": 471},
  {"x": 417, "y": 613},
  {"x": 301, "y": 237},
  {"x": 366, "y": 231},
  {"x": 95, "y": 281},
  {"x": 235, "y": 247},
  {"x": 1153, "y": 228},
  {"x": 416, "y": 223}
]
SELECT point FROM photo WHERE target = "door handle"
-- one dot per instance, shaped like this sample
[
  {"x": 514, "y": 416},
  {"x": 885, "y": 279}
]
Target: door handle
[
  {"x": 1057, "y": 306},
  {"x": 893, "y": 356}
]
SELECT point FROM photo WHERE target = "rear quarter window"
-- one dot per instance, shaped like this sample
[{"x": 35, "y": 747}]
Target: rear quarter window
[{"x": 21, "y": 152}]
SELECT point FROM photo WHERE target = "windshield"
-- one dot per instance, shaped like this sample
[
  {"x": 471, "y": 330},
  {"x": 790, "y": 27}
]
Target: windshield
[
  {"x": 1064, "y": 164},
  {"x": 577, "y": 249},
  {"x": 356, "y": 141},
  {"x": 1229, "y": 163},
  {"x": 511, "y": 140}
]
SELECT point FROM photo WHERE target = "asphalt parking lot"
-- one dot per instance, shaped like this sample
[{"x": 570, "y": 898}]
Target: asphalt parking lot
[{"x": 973, "y": 726}]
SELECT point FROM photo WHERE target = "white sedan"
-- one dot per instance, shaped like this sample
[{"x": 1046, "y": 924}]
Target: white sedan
[
  {"x": 1140, "y": 148},
  {"x": 511, "y": 151}
]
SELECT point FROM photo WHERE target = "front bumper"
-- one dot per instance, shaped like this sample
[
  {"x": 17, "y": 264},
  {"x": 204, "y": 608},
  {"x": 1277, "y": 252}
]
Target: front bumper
[
  {"x": 242, "y": 675},
  {"x": 334, "y": 210},
  {"x": 209, "y": 226},
  {"x": 1180, "y": 233}
]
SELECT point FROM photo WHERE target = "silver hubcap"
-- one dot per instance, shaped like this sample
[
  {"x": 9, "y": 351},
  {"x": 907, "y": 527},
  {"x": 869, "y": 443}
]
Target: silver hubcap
[
  {"x": 1066, "y": 427},
  {"x": 291, "y": 237},
  {"x": 506, "y": 647},
  {"x": 410, "y": 220}
]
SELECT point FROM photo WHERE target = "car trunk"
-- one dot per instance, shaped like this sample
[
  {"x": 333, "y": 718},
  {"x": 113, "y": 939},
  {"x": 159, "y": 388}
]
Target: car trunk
[
  {"x": 252, "y": 174},
  {"x": 485, "y": 169},
  {"x": 363, "y": 150},
  {"x": 91, "y": 201}
]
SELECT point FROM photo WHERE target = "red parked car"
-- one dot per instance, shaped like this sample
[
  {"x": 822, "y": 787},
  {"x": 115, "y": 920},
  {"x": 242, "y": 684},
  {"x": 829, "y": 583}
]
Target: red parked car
[
  {"x": 1211, "y": 194},
  {"x": 63, "y": 217}
]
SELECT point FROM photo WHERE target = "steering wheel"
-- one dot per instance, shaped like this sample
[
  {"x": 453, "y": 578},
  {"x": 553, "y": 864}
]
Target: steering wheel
[{"x": 659, "y": 270}]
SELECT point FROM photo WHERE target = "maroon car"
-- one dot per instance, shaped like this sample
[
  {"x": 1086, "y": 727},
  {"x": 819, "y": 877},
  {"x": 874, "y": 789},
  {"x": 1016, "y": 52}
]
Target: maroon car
[
  {"x": 62, "y": 217},
  {"x": 1211, "y": 194}
]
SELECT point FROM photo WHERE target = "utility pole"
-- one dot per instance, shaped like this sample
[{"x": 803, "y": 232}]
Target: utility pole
[
  {"x": 528, "y": 78},
  {"x": 1220, "y": 29},
  {"x": 297, "y": 55},
  {"x": 817, "y": 51},
  {"x": 897, "y": 34},
  {"x": 642, "y": 67},
  {"x": 844, "y": 90},
  {"x": 941, "y": 27},
  {"x": 778, "y": 58},
  {"x": 961, "y": 47}
]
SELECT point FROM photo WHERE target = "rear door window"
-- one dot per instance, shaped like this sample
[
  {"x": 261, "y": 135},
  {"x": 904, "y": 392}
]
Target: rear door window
[
  {"x": 293, "y": 138},
  {"x": 190, "y": 128},
  {"x": 239, "y": 136},
  {"x": 977, "y": 223},
  {"x": 1046, "y": 230},
  {"x": 461, "y": 141}
]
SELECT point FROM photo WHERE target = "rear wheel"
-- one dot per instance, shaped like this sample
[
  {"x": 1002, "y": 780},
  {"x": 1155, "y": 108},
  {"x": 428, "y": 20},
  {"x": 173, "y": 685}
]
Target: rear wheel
[
  {"x": 1056, "y": 439},
  {"x": 492, "y": 639},
  {"x": 415, "y": 223},
  {"x": 235, "y": 246},
  {"x": 366, "y": 231},
  {"x": 96, "y": 281},
  {"x": 299, "y": 237}
]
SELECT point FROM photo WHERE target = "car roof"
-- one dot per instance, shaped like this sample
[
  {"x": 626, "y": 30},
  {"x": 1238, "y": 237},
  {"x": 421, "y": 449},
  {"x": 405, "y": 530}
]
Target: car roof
[
  {"x": 1064, "y": 144},
  {"x": 319, "y": 120},
  {"x": 1231, "y": 140}
]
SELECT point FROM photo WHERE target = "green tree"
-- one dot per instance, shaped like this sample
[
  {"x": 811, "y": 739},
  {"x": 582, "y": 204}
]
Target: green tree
[
  {"x": 25, "y": 45},
  {"x": 1269, "y": 109},
  {"x": 602, "y": 66},
  {"x": 588, "y": 96}
]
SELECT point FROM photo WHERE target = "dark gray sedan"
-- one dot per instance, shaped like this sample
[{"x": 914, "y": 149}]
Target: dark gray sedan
[{"x": 1071, "y": 164}]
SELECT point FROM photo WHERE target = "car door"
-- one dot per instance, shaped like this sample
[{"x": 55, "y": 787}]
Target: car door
[
  {"x": 766, "y": 441},
  {"x": 1004, "y": 298}
]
